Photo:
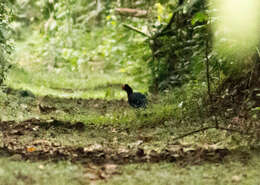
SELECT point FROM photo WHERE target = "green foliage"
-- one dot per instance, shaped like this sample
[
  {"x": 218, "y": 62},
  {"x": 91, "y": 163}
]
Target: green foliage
[
  {"x": 179, "y": 51},
  {"x": 72, "y": 34},
  {"x": 5, "y": 32},
  {"x": 64, "y": 40},
  {"x": 199, "y": 17},
  {"x": 188, "y": 103},
  {"x": 181, "y": 48}
]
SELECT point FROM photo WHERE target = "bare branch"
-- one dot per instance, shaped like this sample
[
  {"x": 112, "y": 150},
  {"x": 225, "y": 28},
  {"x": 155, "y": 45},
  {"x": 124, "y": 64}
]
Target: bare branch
[
  {"x": 131, "y": 12},
  {"x": 136, "y": 30}
]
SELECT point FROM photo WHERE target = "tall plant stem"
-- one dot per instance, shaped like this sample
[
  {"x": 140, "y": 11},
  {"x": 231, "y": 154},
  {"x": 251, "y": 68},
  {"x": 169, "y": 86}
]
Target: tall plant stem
[{"x": 207, "y": 68}]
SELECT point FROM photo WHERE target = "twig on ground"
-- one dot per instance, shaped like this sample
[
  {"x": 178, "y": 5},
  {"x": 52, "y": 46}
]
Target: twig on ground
[
  {"x": 207, "y": 128},
  {"x": 193, "y": 132}
]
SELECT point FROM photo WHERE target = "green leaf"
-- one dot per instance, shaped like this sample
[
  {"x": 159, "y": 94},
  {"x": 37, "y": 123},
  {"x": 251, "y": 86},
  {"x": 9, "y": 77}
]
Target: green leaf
[
  {"x": 256, "y": 109},
  {"x": 199, "y": 17}
]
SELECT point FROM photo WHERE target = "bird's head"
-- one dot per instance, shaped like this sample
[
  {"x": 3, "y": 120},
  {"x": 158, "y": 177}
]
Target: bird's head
[{"x": 127, "y": 88}]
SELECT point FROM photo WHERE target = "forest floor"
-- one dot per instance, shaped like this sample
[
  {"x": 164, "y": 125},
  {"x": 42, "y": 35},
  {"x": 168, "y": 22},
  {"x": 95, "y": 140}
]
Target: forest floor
[
  {"x": 81, "y": 130},
  {"x": 53, "y": 152},
  {"x": 58, "y": 140}
]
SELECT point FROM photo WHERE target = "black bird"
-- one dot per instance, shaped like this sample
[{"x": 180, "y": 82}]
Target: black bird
[
  {"x": 26, "y": 93},
  {"x": 135, "y": 99}
]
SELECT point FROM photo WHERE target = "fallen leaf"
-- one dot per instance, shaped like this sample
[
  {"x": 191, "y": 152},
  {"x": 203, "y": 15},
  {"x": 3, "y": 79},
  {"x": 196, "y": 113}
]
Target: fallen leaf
[
  {"x": 139, "y": 142},
  {"x": 123, "y": 150},
  {"x": 16, "y": 132},
  {"x": 93, "y": 148},
  {"x": 92, "y": 176},
  {"x": 113, "y": 130},
  {"x": 39, "y": 142},
  {"x": 31, "y": 149},
  {"x": 115, "y": 140},
  {"x": 110, "y": 168},
  {"x": 41, "y": 167},
  {"x": 236, "y": 178},
  {"x": 103, "y": 174},
  {"x": 140, "y": 152}
]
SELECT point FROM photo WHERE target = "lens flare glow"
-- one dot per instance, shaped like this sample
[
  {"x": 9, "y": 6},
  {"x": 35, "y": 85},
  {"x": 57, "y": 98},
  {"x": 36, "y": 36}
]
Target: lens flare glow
[{"x": 236, "y": 24}]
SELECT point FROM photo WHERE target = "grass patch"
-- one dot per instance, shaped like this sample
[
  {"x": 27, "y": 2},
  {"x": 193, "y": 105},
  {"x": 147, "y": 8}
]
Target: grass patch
[
  {"x": 29, "y": 173},
  {"x": 68, "y": 84},
  {"x": 230, "y": 172}
]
